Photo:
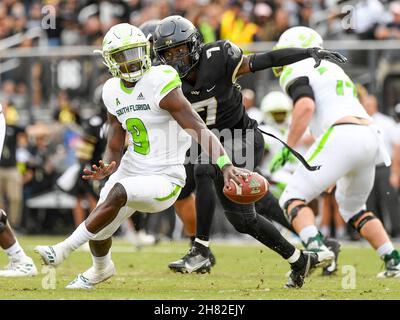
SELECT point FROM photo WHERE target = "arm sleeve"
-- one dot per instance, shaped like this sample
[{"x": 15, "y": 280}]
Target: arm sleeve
[
  {"x": 167, "y": 80},
  {"x": 300, "y": 88},
  {"x": 278, "y": 58}
]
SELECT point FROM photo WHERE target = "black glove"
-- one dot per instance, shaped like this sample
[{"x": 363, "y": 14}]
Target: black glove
[{"x": 318, "y": 54}]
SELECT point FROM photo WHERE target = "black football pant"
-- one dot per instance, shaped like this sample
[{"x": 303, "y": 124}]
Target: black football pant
[{"x": 243, "y": 217}]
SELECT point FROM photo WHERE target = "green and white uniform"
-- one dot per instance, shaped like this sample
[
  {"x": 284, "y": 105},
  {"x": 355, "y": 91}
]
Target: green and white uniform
[
  {"x": 347, "y": 153},
  {"x": 151, "y": 170}
]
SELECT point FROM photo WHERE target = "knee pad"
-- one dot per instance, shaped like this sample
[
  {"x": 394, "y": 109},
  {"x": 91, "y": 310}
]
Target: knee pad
[
  {"x": 242, "y": 222},
  {"x": 363, "y": 220},
  {"x": 205, "y": 170},
  {"x": 3, "y": 220},
  {"x": 290, "y": 215}
]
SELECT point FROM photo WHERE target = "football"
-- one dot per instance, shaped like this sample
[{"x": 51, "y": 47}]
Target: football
[{"x": 251, "y": 191}]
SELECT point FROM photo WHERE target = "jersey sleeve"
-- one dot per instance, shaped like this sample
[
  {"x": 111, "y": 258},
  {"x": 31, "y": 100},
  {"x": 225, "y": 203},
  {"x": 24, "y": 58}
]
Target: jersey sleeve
[
  {"x": 291, "y": 73},
  {"x": 233, "y": 59},
  {"x": 166, "y": 79},
  {"x": 107, "y": 97}
]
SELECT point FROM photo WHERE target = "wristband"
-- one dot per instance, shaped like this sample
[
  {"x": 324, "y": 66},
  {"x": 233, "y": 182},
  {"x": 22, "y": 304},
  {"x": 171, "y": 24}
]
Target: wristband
[{"x": 223, "y": 160}]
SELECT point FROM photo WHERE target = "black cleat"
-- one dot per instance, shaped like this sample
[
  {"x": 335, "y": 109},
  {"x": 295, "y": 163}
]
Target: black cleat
[
  {"x": 198, "y": 259},
  {"x": 312, "y": 260},
  {"x": 334, "y": 246},
  {"x": 212, "y": 258}
]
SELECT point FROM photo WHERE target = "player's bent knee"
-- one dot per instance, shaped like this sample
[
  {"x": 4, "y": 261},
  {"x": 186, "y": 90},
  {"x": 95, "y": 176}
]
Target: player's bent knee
[
  {"x": 292, "y": 207},
  {"x": 117, "y": 196},
  {"x": 359, "y": 220},
  {"x": 242, "y": 222},
  {"x": 3, "y": 220}
]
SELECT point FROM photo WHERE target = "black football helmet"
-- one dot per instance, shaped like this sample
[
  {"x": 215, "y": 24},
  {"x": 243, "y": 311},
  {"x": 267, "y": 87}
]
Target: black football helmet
[
  {"x": 148, "y": 29},
  {"x": 174, "y": 31}
]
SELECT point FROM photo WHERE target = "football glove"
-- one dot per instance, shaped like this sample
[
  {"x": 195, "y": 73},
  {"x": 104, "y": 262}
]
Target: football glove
[
  {"x": 318, "y": 54},
  {"x": 279, "y": 159}
]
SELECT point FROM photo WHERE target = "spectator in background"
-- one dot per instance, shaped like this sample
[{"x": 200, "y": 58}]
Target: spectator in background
[
  {"x": 236, "y": 25},
  {"x": 182, "y": 7},
  {"x": 209, "y": 22},
  {"x": 34, "y": 16},
  {"x": 71, "y": 33},
  {"x": 389, "y": 66},
  {"x": 367, "y": 14},
  {"x": 278, "y": 25},
  {"x": 10, "y": 177},
  {"x": 395, "y": 168},
  {"x": 383, "y": 199},
  {"x": 305, "y": 13},
  {"x": 262, "y": 14},
  {"x": 41, "y": 165}
]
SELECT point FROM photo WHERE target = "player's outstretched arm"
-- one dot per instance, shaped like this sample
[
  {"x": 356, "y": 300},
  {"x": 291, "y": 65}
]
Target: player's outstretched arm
[
  {"x": 283, "y": 57},
  {"x": 180, "y": 109},
  {"x": 113, "y": 153}
]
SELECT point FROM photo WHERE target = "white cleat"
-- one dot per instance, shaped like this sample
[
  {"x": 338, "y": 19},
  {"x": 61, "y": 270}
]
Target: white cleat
[
  {"x": 20, "y": 268},
  {"x": 51, "y": 255},
  {"x": 91, "y": 277}
]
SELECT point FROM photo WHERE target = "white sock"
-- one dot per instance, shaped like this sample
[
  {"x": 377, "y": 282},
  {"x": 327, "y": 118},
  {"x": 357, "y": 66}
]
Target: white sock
[
  {"x": 16, "y": 252},
  {"x": 308, "y": 232},
  {"x": 294, "y": 257},
  {"x": 386, "y": 248},
  {"x": 325, "y": 230},
  {"x": 203, "y": 242},
  {"x": 101, "y": 263},
  {"x": 80, "y": 236}
]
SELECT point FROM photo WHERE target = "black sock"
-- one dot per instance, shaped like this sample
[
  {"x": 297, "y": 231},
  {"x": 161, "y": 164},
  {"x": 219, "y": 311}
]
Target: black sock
[
  {"x": 205, "y": 203},
  {"x": 261, "y": 229},
  {"x": 204, "y": 251},
  {"x": 272, "y": 238},
  {"x": 300, "y": 262}
]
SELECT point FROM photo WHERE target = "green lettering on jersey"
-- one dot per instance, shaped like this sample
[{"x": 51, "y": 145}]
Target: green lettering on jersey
[
  {"x": 140, "y": 138},
  {"x": 322, "y": 70},
  {"x": 176, "y": 82},
  {"x": 117, "y": 102},
  {"x": 340, "y": 84}
]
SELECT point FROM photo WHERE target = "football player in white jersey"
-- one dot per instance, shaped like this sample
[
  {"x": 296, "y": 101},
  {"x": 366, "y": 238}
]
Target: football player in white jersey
[
  {"x": 348, "y": 147},
  {"x": 19, "y": 265},
  {"x": 276, "y": 108},
  {"x": 146, "y": 102}
]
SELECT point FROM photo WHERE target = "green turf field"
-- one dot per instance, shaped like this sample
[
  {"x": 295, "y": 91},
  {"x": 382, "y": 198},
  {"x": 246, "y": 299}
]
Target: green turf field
[{"x": 242, "y": 272}]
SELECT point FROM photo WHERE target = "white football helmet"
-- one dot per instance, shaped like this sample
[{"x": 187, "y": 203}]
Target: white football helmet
[
  {"x": 300, "y": 37},
  {"x": 297, "y": 37},
  {"x": 276, "y": 107},
  {"x": 126, "y": 52}
]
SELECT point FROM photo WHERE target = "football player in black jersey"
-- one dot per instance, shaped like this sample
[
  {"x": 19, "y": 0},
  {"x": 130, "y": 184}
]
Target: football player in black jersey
[{"x": 209, "y": 73}]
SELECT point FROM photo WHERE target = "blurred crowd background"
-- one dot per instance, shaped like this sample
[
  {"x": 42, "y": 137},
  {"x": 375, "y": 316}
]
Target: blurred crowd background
[{"x": 50, "y": 85}]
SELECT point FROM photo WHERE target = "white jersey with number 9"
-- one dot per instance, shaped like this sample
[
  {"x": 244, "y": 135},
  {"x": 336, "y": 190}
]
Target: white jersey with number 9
[{"x": 157, "y": 143}]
